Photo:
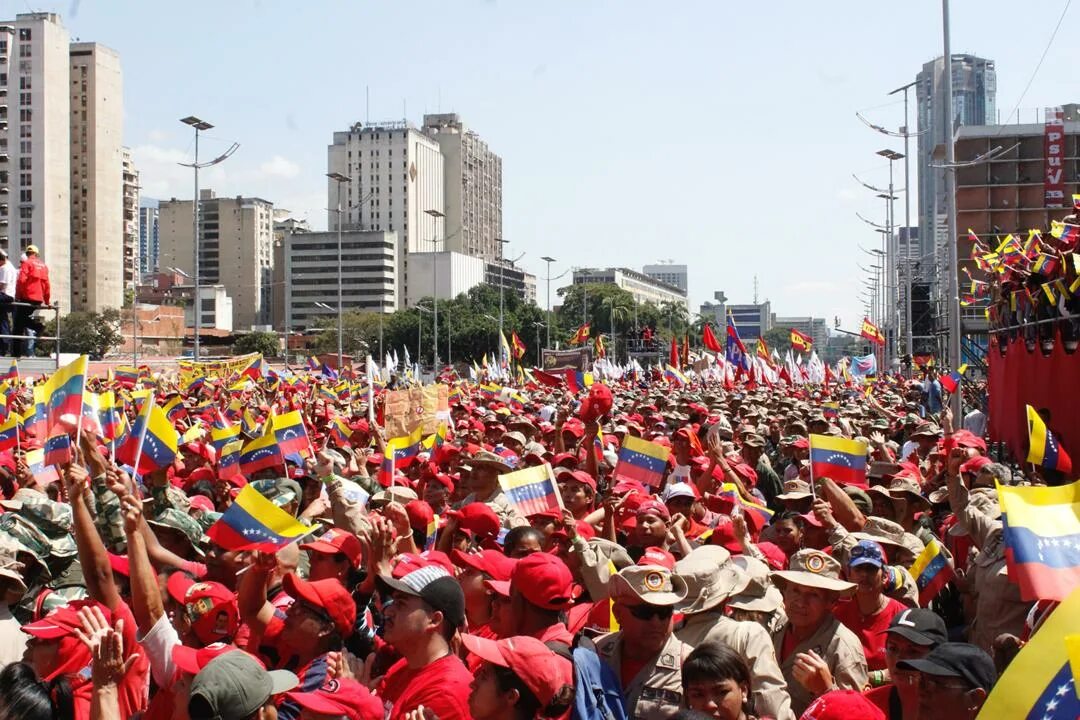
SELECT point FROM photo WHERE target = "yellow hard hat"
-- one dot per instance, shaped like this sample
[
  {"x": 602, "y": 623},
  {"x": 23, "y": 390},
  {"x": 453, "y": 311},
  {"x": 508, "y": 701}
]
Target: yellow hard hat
[{"x": 32, "y": 249}]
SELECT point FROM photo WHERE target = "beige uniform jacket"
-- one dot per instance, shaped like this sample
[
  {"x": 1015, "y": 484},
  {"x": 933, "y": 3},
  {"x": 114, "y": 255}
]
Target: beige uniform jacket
[
  {"x": 750, "y": 640},
  {"x": 838, "y": 647},
  {"x": 998, "y": 606},
  {"x": 655, "y": 693}
]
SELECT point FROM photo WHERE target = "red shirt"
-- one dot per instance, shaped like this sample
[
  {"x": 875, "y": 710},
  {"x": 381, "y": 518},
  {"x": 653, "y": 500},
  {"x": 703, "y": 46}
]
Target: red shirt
[
  {"x": 32, "y": 285},
  {"x": 869, "y": 628},
  {"x": 441, "y": 686},
  {"x": 886, "y": 700}
]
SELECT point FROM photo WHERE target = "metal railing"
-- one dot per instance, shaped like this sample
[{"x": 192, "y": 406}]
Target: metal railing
[{"x": 12, "y": 308}]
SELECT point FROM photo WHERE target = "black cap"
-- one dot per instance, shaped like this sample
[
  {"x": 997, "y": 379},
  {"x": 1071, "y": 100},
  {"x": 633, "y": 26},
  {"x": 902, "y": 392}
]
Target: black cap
[
  {"x": 953, "y": 659},
  {"x": 436, "y": 587},
  {"x": 920, "y": 626}
]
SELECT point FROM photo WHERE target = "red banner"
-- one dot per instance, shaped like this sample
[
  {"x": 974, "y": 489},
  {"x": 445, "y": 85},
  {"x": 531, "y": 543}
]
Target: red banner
[{"x": 1054, "y": 155}]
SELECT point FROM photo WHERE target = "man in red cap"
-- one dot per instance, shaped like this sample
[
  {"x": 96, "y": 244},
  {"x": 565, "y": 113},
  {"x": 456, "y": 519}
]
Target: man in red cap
[
  {"x": 541, "y": 588},
  {"x": 476, "y": 568},
  {"x": 339, "y": 698},
  {"x": 335, "y": 554}
]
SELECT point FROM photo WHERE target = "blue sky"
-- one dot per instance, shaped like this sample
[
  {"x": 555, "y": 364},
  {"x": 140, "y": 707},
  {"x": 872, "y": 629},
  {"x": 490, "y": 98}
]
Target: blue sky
[{"x": 718, "y": 134}]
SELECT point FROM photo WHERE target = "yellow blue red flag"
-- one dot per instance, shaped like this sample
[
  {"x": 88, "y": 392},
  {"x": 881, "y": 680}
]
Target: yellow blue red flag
[
  {"x": 1042, "y": 539},
  {"x": 254, "y": 523}
]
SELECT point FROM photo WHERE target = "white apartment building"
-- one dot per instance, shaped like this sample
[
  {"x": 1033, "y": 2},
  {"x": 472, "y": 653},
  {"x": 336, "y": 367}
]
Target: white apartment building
[
  {"x": 669, "y": 273},
  {"x": 235, "y": 249},
  {"x": 35, "y": 144},
  {"x": 97, "y": 178},
  {"x": 148, "y": 236},
  {"x": 640, "y": 285},
  {"x": 131, "y": 222},
  {"x": 368, "y": 271},
  {"x": 472, "y": 178}
]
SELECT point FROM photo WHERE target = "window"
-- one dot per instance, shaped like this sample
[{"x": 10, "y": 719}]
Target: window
[
  {"x": 24, "y": 98},
  {"x": 24, "y": 163},
  {"x": 25, "y": 146},
  {"x": 26, "y": 114},
  {"x": 24, "y": 33},
  {"x": 24, "y": 83},
  {"x": 26, "y": 195},
  {"x": 3, "y": 78},
  {"x": 24, "y": 131},
  {"x": 24, "y": 51},
  {"x": 26, "y": 213},
  {"x": 25, "y": 179},
  {"x": 26, "y": 228}
]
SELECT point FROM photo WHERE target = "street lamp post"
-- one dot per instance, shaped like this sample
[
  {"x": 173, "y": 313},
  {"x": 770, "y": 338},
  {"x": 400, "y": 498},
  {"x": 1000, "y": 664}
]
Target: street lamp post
[
  {"x": 435, "y": 214},
  {"x": 502, "y": 244},
  {"x": 340, "y": 179},
  {"x": 908, "y": 332},
  {"x": 950, "y": 211},
  {"x": 892, "y": 156},
  {"x": 547, "y": 341},
  {"x": 199, "y": 125}
]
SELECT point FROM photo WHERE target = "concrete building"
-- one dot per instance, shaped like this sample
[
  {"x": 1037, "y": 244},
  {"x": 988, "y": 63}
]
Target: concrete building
[
  {"x": 459, "y": 273},
  {"x": 149, "y": 243},
  {"x": 472, "y": 182},
  {"x": 1013, "y": 193},
  {"x": 215, "y": 305},
  {"x": 669, "y": 273},
  {"x": 751, "y": 320},
  {"x": 640, "y": 285},
  {"x": 171, "y": 289},
  {"x": 816, "y": 328},
  {"x": 131, "y": 222},
  {"x": 973, "y": 103},
  {"x": 236, "y": 249},
  {"x": 97, "y": 178},
  {"x": 35, "y": 144},
  {"x": 369, "y": 274},
  {"x": 284, "y": 225}
]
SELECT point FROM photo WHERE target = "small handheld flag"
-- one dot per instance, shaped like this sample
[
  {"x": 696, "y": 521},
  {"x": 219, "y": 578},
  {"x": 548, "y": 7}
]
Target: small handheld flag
[
  {"x": 951, "y": 382},
  {"x": 642, "y": 461},
  {"x": 532, "y": 490},
  {"x": 254, "y": 523},
  {"x": 839, "y": 459},
  {"x": 1043, "y": 448},
  {"x": 932, "y": 571}
]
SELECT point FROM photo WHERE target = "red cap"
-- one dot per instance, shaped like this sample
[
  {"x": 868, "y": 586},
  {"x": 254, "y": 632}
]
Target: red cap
[
  {"x": 597, "y": 404},
  {"x": 178, "y": 585},
  {"x": 420, "y": 514},
  {"x": 545, "y": 581},
  {"x": 340, "y": 697},
  {"x": 968, "y": 439},
  {"x": 477, "y": 519},
  {"x": 811, "y": 519},
  {"x": 774, "y": 556},
  {"x": 843, "y": 705},
  {"x": 200, "y": 473},
  {"x": 652, "y": 506},
  {"x": 568, "y": 459},
  {"x": 405, "y": 563},
  {"x": 445, "y": 480},
  {"x": 192, "y": 660},
  {"x": 202, "y": 503},
  {"x": 724, "y": 536},
  {"x": 213, "y": 611},
  {"x": 335, "y": 541},
  {"x": 543, "y": 671},
  {"x": 492, "y": 563},
  {"x": 120, "y": 564},
  {"x": 975, "y": 464},
  {"x": 63, "y": 621},
  {"x": 801, "y": 444},
  {"x": 656, "y": 556},
  {"x": 577, "y": 476},
  {"x": 330, "y": 595}
]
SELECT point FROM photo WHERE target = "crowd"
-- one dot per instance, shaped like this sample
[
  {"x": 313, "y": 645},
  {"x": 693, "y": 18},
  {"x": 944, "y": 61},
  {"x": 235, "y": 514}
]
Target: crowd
[{"x": 730, "y": 582}]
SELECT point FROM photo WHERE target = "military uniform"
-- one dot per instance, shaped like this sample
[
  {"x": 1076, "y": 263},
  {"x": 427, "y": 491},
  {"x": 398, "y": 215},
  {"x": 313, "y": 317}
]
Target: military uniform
[
  {"x": 750, "y": 640},
  {"x": 655, "y": 693},
  {"x": 838, "y": 647}
]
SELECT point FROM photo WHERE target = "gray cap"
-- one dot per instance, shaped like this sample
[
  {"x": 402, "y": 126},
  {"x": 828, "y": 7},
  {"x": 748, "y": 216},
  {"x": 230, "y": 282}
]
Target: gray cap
[{"x": 234, "y": 686}]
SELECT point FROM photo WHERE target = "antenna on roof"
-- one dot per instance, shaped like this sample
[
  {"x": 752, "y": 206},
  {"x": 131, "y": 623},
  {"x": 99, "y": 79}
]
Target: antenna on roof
[{"x": 755, "y": 290}]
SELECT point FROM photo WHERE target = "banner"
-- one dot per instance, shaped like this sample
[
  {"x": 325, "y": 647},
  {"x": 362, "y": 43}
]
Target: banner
[
  {"x": 221, "y": 369},
  {"x": 579, "y": 359},
  {"x": 424, "y": 407},
  {"x": 1054, "y": 158}
]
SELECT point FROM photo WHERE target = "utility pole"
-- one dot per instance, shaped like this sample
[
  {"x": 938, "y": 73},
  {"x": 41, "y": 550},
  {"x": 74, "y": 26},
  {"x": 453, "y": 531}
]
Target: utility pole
[{"x": 950, "y": 212}]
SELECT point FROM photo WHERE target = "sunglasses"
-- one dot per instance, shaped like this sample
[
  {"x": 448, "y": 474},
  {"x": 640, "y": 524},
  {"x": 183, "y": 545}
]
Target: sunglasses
[{"x": 648, "y": 612}]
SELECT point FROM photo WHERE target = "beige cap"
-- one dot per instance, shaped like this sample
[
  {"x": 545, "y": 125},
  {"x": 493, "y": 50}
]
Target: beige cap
[
  {"x": 795, "y": 489},
  {"x": 650, "y": 584},
  {"x": 813, "y": 568},
  {"x": 711, "y": 578}
]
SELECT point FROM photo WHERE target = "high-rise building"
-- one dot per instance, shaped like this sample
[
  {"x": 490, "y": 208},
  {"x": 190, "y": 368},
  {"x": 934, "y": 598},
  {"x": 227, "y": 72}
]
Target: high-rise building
[
  {"x": 368, "y": 270},
  {"x": 641, "y": 286},
  {"x": 669, "y": 273},
  {"x": 149, "y": 245},
  {"x": 284, "y": 225},
  {"x": 973, "y": 103},
  {"x": 35, "y": 144},
  {"x": 131, "y": 222},
  {"x": 97, "y": 178},
  {"x": 472, "y": 181},
  {"x": 395, "y": 184},
  {"x": 235, "y": 249}
]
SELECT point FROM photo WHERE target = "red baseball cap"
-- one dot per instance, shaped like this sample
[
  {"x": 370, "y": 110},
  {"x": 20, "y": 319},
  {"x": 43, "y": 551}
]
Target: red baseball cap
[
  {"x": 568, "y": 458},
  {"x": 420, "y": 514},
  {"x": 336, "y": 540},
  {"x": 652, "y": 506},
  {"x": 492, "y": 563},
  {"x": 340, "y": 697},
  {"x": 477, "y": 519},
  {"x": 192, "y": 660},
  {"x": 213, "y": 611},
  {"x": 656, "y": 556},
  {"x": 329, "y": 595},
  {"x": 724, "y": 536},
  {"x": 774, "y": 556},
  {"x": 545, "y": 581},
  {"x": 120, "y": 564},
  {"x": 543, "y": 671},
  {"x": 843, "y": 705},
  {"x": 202, "y": 503},
  {"x": 405, "y": 563},
  {"x": 63, "y": 621},
  {"x": 567, "y": 475},
  {"x": 975, "y": 464}
]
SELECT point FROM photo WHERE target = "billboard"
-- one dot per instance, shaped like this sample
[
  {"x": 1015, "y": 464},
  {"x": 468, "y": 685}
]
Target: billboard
[{"x": 1054, "y": 158}]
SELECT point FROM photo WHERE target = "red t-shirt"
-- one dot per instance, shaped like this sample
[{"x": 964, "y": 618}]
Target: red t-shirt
[
  {"x": 870, "y": 629},
  {"x": 441, "y": 686},
  {"x": 882, "y": 697}
]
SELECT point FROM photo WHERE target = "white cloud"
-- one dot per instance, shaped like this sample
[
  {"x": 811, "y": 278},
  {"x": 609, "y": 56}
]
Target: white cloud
[
  {"x": 279, "y": 167},
  {"x": 157, "y": 136}
]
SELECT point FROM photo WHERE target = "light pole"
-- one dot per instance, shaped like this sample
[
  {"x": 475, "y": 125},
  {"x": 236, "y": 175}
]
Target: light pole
[
  {"x": 340, "y": 179},
  {"x": 892, "y": 156},
  {"x": 547, "y": 340},
  {"x": 502, "y": 245},
  {"x": 435, "y": 214},
  {"x": 908, "y": 332},
  {"x": 537, "y": 325},
  {"x": 199, "y": 125},
  {"x": 950, "y": 210},
  {"x": 330, "y": 310}
]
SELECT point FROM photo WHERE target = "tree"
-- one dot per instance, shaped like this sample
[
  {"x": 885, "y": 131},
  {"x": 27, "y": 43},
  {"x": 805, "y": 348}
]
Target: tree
[
  {"x": 675, "y": 316},
  {"x": 359, "y": 333},
  {"x": 778, "y": 339},
  {"x": 85, "y": 333},
  {"x": 266, "y": 343}
]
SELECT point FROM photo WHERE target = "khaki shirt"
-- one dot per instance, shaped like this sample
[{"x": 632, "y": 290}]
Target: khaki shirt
[
  {"x": 655, "y": 693},
  {"x": 750, "y": 640},
  {"x": 998, "y": 605},
  {"x": 838, "y": 647}
]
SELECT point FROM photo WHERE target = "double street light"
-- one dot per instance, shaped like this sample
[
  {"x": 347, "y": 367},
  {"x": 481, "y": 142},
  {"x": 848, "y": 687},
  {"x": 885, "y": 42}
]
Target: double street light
[{"x": 435, "y": 215}]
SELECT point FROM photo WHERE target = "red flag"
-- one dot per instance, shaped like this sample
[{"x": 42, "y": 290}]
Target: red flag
[
  {"x": 546, "y": 378},
  {"x": 685, "y": 352},
  {"x": 673, "y": 360},
  {"x": 709, "y": 340},
  {"x": 828, "y": 375}
]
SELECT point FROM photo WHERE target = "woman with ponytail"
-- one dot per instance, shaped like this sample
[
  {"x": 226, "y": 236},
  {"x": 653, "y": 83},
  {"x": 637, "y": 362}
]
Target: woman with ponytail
[{"x": 24, "y": 697}]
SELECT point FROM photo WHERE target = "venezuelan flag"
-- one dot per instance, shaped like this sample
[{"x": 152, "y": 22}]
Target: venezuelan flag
[
  {"x": 174, "y": 408},
  {"x": 1043, "y": 448},
  {"x": 578, "y": 381},
  {"x": 672, "y": 374},
  {"x": 58, "y": 449},
  {"x": 489, "y": 391},
  {"x": 153, "y": 440},
  {"x": 641, "y": 461},
  {"x": 532, "y": 490},
  {"x": 127, "y": 376},
  {"x": 12, "y": 371},
  {"x": 830, "y": 409},
  {"x": 223, "y": 432},
  {"x": 291, "y": 434},
  {"x": 64, "y": 391},
  {"x": 1041, "y": 681},
  {"x": 44, "y": 474},
  {"x": 340, "y": 431},
  {"x": 9, "y": 432},
  {"x": 254, "y": 523},
  {"x": 261, "y": 453},
  {"x": 932, "y": 571},
  {"x": 250, "y": 424},
  {"x": 436, "y": 439},
  {"x": 34, "y": 418},
  {"x": 229, "y": 460},
  {"x": 951, "y": 381},
  {"x": 840, "y": 459},
  {"x": 109, "y": 415},
  {"x": 1042, "y": 539}
]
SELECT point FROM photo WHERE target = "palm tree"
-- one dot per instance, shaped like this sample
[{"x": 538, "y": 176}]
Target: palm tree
[
  {"x": 676, "y": 315},
  {"x": 616, "y": 308}
]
